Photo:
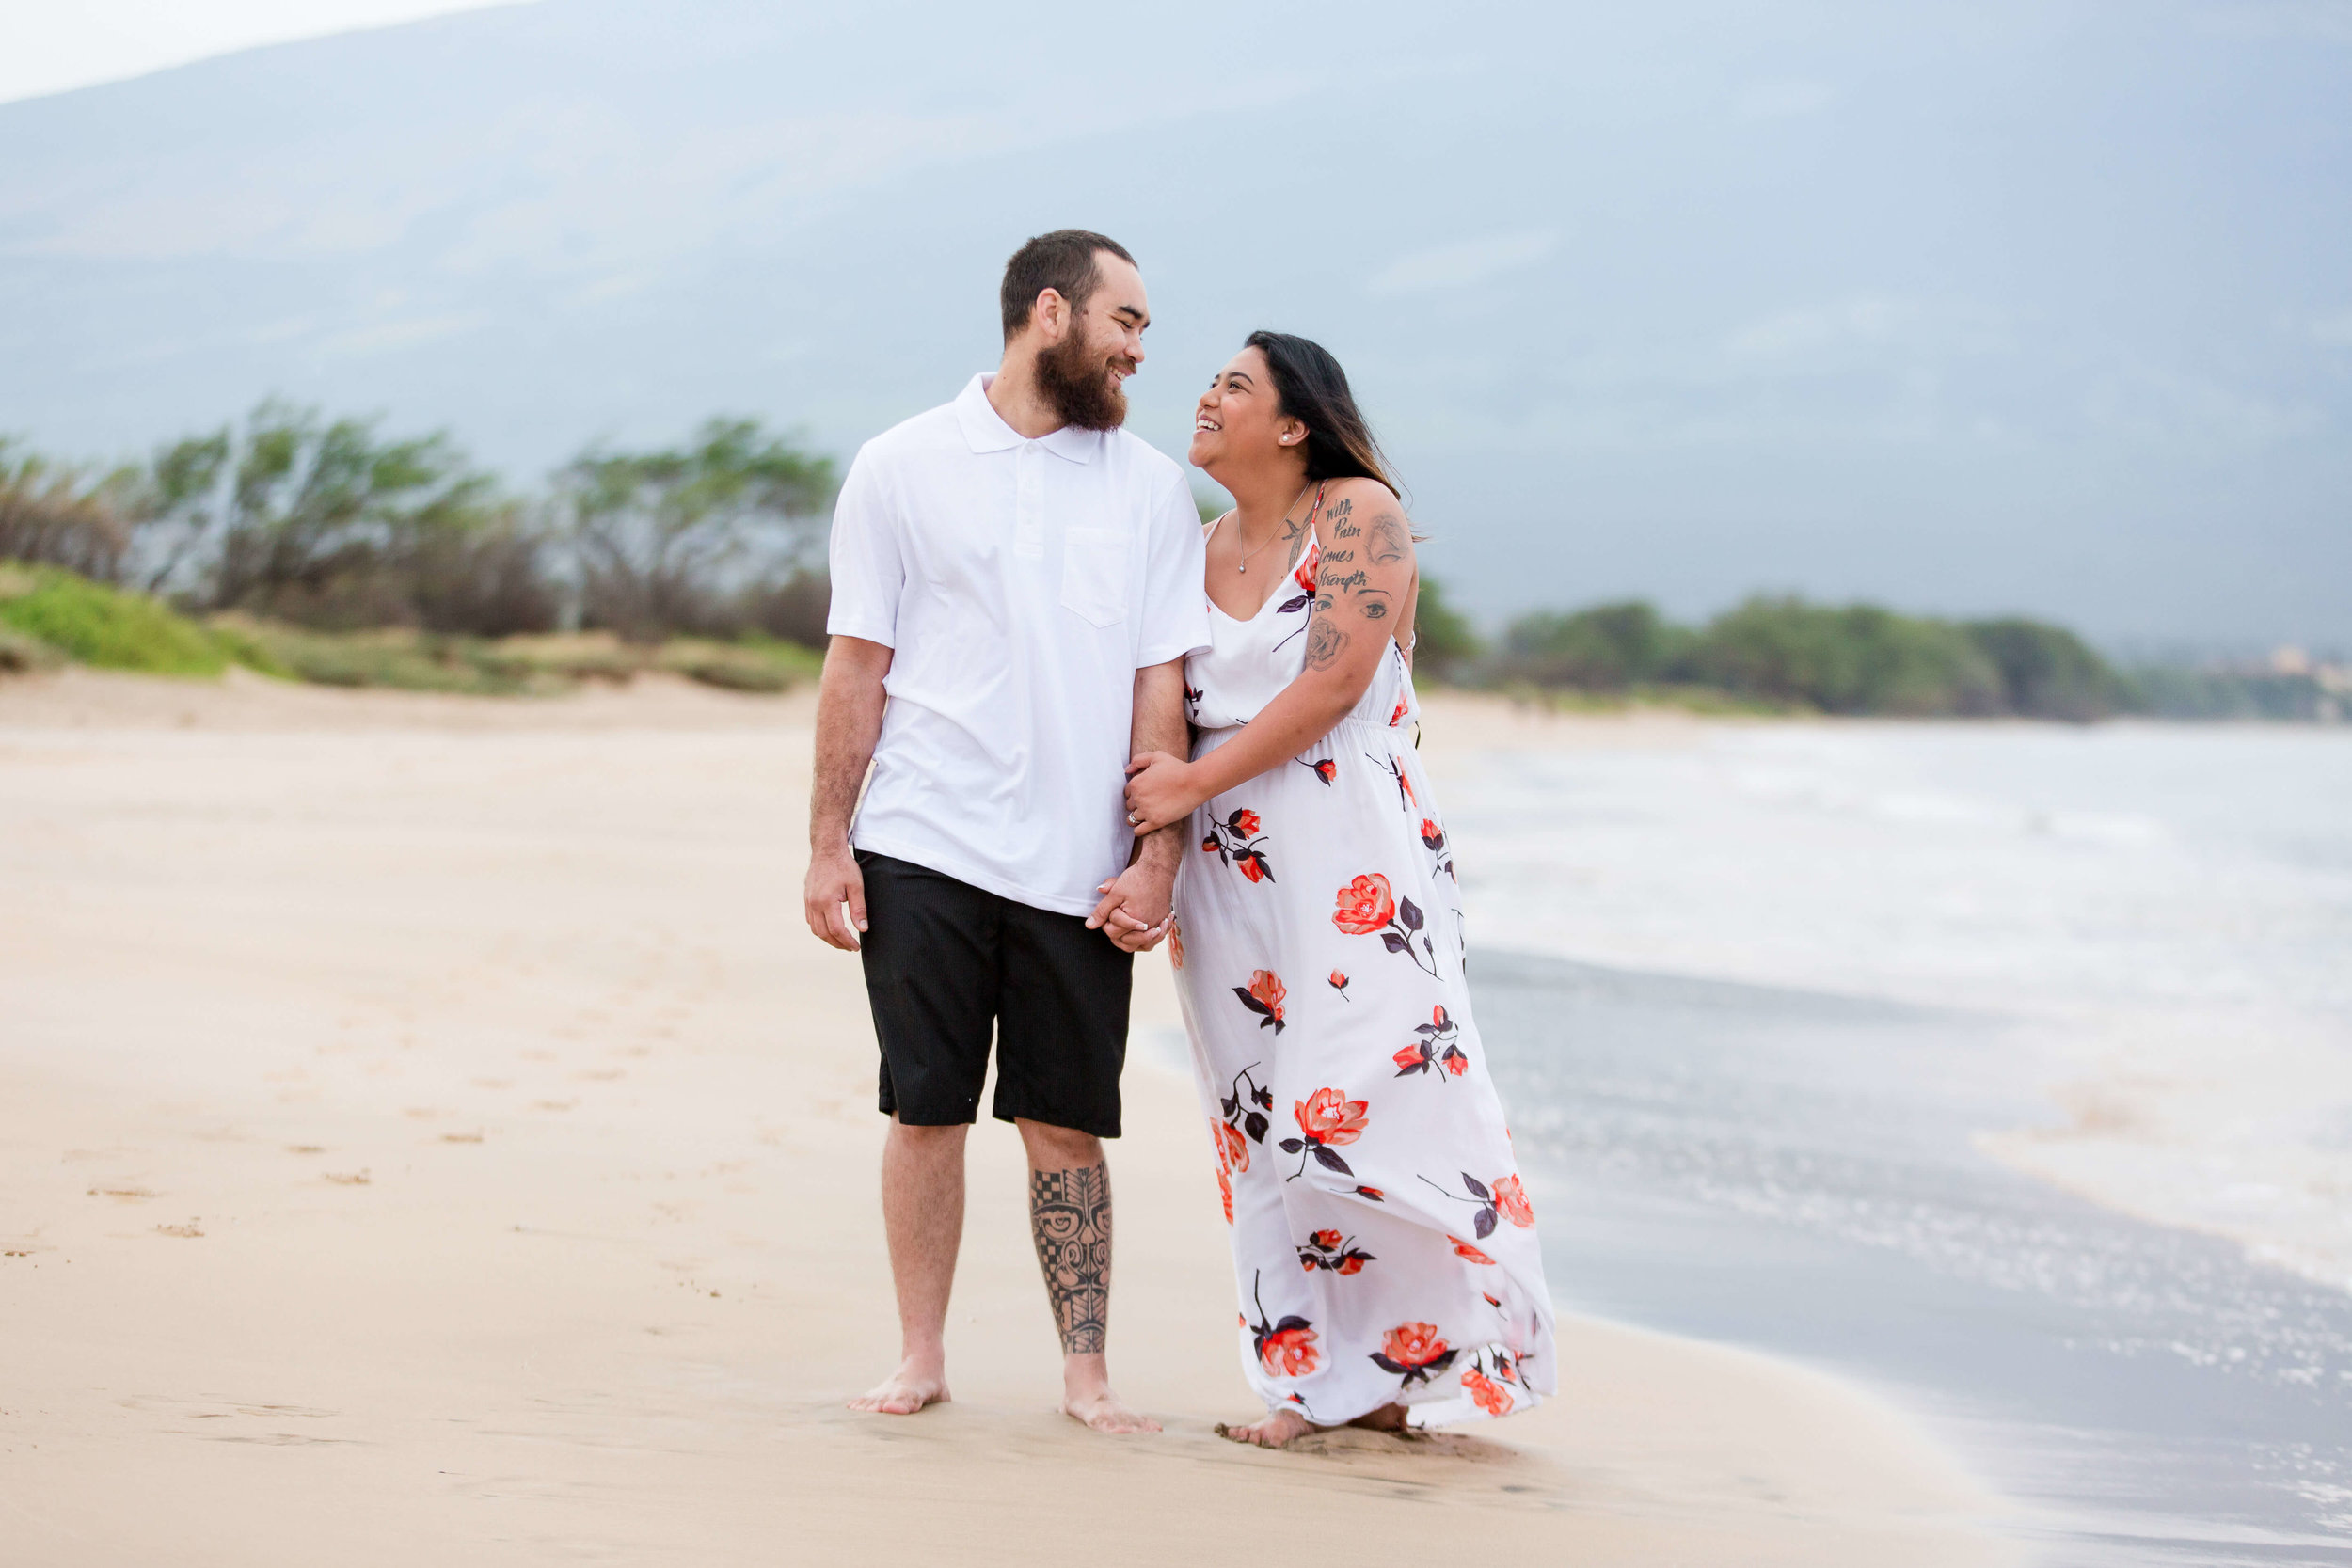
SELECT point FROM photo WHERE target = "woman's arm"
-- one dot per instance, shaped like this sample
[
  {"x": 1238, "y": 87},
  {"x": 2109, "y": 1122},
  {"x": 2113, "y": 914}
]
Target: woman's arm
[{"x": 1362, "y": 586}]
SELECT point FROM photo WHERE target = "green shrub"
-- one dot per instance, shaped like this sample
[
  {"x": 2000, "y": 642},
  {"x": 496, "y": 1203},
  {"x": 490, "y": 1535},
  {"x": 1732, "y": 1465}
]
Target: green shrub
[
  {"x": 2047, "y": 672},
  {"x": 1609, "y": 647},
  {"x": 1444, "y": 644},
  {"x": 92, "y": 624},
  {"x": 1855, "y": 659}
]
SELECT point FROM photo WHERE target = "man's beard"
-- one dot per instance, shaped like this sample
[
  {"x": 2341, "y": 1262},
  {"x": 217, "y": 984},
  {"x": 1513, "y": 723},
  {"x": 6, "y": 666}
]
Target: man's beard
[{"x": 1076, "y": 380}]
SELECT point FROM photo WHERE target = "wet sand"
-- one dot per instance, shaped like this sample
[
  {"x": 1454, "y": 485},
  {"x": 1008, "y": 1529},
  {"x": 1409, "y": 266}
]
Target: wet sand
[{"x": 430, "y": 1135}]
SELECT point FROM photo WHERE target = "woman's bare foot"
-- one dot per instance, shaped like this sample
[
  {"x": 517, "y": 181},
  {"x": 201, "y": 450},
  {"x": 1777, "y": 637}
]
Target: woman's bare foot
[
  {"x": 1277, "y": 1430},
  {"x": 906, "y": 1391},
  {"x": 1388, "y": 1418}
]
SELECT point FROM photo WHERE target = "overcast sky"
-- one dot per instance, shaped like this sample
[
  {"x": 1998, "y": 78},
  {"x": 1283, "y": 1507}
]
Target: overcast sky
[{"x": 47, "y": 47}]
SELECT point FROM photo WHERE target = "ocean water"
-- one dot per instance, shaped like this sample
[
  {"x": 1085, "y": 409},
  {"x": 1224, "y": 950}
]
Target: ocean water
[{"x": 2008, "y": 1067}]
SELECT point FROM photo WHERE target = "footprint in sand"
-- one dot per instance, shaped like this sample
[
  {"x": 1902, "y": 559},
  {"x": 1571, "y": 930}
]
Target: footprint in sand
[
  {"x": 349, "y": 1179},
  {"x": 127, "y": 1195},
  {"x": 461, "y": 1137},
  {"x": 306, "y": 1149},
  {"x": 190, "y": 1230}
]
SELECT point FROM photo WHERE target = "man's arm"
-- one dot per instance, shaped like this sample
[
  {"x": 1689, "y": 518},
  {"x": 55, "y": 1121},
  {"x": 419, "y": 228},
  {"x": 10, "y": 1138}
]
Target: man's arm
[
  {"x": 849, "y": 702},
  {"x": 1134, "y": 904}
]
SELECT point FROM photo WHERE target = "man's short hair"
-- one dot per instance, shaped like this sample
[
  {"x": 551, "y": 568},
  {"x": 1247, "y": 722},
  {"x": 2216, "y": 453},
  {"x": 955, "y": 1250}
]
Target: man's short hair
[{"x": 1063, "y": 261}]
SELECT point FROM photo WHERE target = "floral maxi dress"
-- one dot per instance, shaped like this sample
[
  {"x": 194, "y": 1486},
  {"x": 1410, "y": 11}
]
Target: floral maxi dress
[{"x": 1383, "y": 1247}]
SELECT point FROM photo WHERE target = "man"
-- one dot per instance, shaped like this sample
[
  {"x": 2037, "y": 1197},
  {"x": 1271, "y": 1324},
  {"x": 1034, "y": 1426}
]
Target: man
[{"x": 1016, "y": 582}]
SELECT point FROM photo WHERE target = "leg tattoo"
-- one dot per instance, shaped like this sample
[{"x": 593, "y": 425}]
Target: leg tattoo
[{"x": 1070, "y": 1219}]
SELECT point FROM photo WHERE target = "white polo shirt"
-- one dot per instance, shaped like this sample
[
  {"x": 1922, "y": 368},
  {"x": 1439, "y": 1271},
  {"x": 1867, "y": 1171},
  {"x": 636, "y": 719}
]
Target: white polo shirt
[{"x": 1021, "y": 584}]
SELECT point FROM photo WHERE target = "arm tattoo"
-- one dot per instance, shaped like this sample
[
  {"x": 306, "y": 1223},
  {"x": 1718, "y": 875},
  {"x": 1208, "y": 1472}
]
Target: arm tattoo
[
  {"x": 1375, "y": 605},
  {"x": 1324, "y": 643},
  {"x": 1070, "y": 1220},
  {"x": 1389, "y": 541}
]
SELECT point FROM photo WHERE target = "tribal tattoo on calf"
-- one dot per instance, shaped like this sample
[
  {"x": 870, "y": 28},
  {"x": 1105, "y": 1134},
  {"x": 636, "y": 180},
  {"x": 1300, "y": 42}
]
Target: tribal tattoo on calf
[{"x": 1070, "y": 1220}]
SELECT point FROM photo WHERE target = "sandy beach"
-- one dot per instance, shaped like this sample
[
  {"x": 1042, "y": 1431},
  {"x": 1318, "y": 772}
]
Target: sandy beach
[{"x": 430, "y": 1135}]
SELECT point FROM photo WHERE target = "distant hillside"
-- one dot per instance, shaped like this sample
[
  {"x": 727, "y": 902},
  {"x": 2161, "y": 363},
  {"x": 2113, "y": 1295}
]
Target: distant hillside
[{"x": 1965, "y": 307}]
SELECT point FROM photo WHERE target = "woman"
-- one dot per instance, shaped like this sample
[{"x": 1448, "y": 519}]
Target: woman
[{"x": 1383, "y": 1246}]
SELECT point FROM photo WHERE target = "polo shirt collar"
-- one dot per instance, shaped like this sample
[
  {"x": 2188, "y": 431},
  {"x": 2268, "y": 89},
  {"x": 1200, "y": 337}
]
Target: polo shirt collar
[{"x": 985, "y": 429}]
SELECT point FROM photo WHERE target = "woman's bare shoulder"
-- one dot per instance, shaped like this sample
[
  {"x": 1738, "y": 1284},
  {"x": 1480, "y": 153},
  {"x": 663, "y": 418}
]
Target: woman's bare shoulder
[{"x": 1367, "y": 510}]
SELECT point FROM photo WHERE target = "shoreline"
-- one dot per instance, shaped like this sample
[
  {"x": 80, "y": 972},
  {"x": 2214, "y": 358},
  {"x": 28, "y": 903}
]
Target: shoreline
[{"x": 432, "y": 1132}]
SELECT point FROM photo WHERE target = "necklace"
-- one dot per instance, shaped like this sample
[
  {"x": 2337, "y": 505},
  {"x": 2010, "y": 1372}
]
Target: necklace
[{"x": 1270, "y": 538}]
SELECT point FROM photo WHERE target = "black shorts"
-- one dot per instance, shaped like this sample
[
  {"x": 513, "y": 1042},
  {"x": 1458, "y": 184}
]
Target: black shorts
[{"x": 945, "y": 962}]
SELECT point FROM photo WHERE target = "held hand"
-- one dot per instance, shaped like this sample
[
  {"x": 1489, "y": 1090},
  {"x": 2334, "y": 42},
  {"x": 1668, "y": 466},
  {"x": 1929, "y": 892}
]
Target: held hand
[
  {"x": 834, "y": 879},
  {"x": 1159, "y": 791},
  {"x": 1134, "y": 911}
]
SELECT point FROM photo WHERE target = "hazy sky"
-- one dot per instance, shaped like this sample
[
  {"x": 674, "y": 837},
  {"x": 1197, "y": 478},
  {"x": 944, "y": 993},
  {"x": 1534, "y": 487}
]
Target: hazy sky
[
  {"x": 1964, "y": 305},
  {"x": 50, "y": 47}
]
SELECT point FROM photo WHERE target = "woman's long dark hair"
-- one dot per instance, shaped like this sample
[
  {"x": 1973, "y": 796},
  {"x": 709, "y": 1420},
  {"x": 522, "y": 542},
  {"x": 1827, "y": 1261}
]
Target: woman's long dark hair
[{"x": 1314, "y": 391}]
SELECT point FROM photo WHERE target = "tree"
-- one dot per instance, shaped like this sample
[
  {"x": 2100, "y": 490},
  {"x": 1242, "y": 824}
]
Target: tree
[
  {"x": 64, "y": 516},
  {"x": 1444, "y": 642},
  {"x": 1605, "y": 648},
  {"x": 669, "y": 541}
]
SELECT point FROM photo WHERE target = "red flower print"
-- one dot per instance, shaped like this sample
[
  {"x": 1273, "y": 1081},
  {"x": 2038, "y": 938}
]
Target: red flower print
[
  {"x": 1326, "y": 1118},
  {"x": 1431, "y": 834},
  {"x": 1365, "y": 905},
  {"x": 1488, "y": 1395},
  {"x": 1398, "y": 717},
  {"x": 1402, "y": 782},
  {"x": 1329, "y": 1250},
  {"x": 1413, "y": 1344},
  {"x": 1463, "y": 1249},
  {"x": 1175, "y": 944},
  {"x": 1285, "y": 1349},
  {"x": 1339, "y": 983},
  {"x": 1231, "y": 1147},
  {"x": 1288, "y": 1352},
  {"x": 1264, "y": 996},
  {"x": 1485, "y": 1202},
  {"x": 1436, "y": 1048},
  {"x": 1305, "y": 575},
  {"x": 1372, "y": 1192},
  {"x": 1324, "y": 769},
  {"x": 1415, "y": 1351},
  {"x": 1225, "y": 1191},
  {"x": 1235, "y": 842},
  {"x": 1512, "y": 1200}
]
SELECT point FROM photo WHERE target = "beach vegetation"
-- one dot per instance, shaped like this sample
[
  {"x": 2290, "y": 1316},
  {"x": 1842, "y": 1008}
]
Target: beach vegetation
[
  {"x": 1784, "y": 654},
  {"x": 108, "y": 627}
]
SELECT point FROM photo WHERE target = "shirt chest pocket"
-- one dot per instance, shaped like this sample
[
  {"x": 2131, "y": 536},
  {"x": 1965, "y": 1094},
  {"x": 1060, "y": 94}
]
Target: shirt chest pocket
[{"x": 1094, "y": 574}]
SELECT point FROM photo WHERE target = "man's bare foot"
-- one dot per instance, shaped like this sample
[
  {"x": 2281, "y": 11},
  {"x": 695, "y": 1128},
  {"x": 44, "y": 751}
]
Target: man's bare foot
[
  {"x": 1388, "y": 1418},
  {"x": 1087, "y": 1398},
  {"x": 1277, "y": 1430},
  {"x": 905, "y": 1391}
]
